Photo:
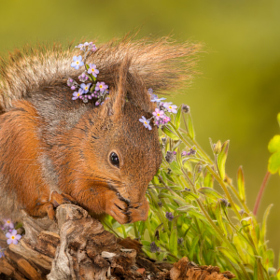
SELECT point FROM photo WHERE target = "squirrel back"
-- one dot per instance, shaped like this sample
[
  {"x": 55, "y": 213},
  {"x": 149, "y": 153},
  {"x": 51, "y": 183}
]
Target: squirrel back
[{"x": 54, "y": 149}]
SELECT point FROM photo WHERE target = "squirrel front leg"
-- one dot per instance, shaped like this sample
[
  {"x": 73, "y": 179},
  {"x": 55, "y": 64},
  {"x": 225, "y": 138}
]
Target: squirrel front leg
[{"x": 100, "y": 199}]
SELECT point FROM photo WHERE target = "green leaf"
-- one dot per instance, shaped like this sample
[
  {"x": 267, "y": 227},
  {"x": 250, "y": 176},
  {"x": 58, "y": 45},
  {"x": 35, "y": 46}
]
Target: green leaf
[
  {"x": 169, "y": 133},
  {"x": 173, "y": 242},
  {"x": 219, "y": 218},
  {"x": 274, "y": 144},
  {"x": 186, "y": 208},
  {"x": 175, "y": 168},
  {"x": 210, "y": 193},
  {"x": 221, "y": 160},
  {"x": 194, "y": 247},
  {"x": 208, "y": 180},
  {"x": 274, "y": 163},
  {"x": 178, "y": 118},
  {"x": 190, "y": 126},
  {"x": 264, "y": 222},
  {"x": 241, "y": 184}
]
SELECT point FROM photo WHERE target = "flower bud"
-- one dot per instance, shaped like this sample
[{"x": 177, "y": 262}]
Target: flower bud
[
  {"x": 185, "y": 108},
  {"x": 217, "y": 147}
]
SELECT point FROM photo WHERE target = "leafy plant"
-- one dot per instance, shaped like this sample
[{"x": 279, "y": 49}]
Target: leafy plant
[{"x": 196, "y": 211}]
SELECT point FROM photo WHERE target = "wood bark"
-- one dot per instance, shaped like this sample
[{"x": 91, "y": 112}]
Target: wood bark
[{"x": 76, "y": 246}]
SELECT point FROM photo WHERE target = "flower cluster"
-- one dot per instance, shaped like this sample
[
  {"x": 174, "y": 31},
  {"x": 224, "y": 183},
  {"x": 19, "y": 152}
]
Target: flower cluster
[
  {"x": 169, "y": 216},
  {"x": 159, "y": 115},
  {"x": 191, "y": 152},
  {"x": 89, "y": 87},
  {"x": 11, "y": 233}
]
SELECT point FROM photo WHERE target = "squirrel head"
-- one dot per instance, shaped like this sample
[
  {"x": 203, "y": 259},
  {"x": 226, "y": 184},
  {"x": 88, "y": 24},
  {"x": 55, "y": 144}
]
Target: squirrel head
[{"x": 124, "y": 154}]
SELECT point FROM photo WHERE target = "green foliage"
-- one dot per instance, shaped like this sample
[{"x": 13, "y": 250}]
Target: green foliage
[
  {"x": 274, "y": 148},
  {"x": 212, "y": 224}
]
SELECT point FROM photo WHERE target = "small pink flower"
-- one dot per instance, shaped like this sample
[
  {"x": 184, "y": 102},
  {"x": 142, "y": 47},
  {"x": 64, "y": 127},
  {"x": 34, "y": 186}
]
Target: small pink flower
[
  {"x": 92, "y": 70},
  {"x": 158, "y": 113},
  {"x": 101, "y": 86},
  {"x": 170, "y": 108}
]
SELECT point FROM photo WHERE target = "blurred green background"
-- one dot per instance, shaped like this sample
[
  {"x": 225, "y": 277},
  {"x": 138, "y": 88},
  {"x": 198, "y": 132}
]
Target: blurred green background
[{"x": 237, "y": 97}]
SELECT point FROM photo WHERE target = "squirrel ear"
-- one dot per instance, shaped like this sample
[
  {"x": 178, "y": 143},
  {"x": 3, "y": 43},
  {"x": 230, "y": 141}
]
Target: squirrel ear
[{"x": 117, "y": 97}]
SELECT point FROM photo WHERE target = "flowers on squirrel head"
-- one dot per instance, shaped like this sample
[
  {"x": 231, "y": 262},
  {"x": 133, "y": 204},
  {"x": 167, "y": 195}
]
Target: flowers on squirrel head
[
  {"x": 77, "y": 94},
  {"x": 85, "y": 87},
  {"x": 92, "y": 70},
  {"x": 145, "y": 122},
  {"x": 77, "y": 62},
  {"x": 170, "y": 108},
  {"x": 89, "y": 88},
  {"x": 159, "y": 115},
  {"x": 101, "y": 86},
  {"x": 83, "y": 77}
]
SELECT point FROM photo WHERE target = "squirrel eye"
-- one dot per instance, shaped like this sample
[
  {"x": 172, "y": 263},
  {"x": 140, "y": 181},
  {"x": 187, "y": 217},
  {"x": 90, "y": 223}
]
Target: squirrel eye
[{"x": 114, "y": 159}]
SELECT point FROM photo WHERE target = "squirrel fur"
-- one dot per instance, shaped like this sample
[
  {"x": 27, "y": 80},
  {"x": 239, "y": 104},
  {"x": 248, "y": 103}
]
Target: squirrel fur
[{"x": 54, "y": 149}]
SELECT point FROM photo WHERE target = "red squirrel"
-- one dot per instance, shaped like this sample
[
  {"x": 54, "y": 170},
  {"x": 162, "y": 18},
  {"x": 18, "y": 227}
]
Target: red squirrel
[{"x": 54, "y": 149}]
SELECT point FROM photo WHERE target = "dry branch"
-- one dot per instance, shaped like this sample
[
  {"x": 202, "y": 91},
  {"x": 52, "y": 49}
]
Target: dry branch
[{"x": 76, "y": 246}]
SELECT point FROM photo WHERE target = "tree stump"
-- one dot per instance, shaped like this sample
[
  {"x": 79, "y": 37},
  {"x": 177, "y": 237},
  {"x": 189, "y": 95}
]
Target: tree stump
[{"x": 76, "y": 246}]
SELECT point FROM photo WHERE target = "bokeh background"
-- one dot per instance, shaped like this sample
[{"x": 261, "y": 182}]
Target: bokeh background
[{"x": 236, "y": 97}]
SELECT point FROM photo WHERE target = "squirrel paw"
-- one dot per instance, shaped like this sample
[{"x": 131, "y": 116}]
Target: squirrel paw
[
  {"x": 62, "y": 198},
  {"x": 44, "y": 209},
  {"x": 125, "y": 212},
  {"x": 117, "y": 207},
  {"x": 138, "y": 211}
]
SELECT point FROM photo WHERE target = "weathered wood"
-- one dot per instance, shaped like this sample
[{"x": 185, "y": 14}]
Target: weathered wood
[{"x": 76, "y": 246}]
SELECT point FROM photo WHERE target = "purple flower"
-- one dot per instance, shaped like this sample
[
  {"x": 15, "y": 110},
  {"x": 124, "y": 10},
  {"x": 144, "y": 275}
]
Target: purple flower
[
  {"x": 169, "y": 216},
  {"x": 77, "y": 94},
  {"x": 165, "y": 119},
  {"x": 85, "y": 87},
  {"x": 13, "y": 237},
  {"x": 8, "y": 223},
  {"x": 83, "y": 77},
  {"x": 101, "y": 86},
  {"x": 145, "y": 122},
  {"x": 92, "y": 70},
  {"x": 73, "y": 87},
  {"x": 97, "y": 103},
  {"x": 158, "y": 113},
  {"x": 150, "y": 91},
  {"x": 184, "y": 153},
  {"x": 156, "y": 99},
  {"x": 170, "y": 108},
  {"x": 81, "y": 47},
  {"x": 77, "y": 62},
  {"x": 90, "y": 46}
]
